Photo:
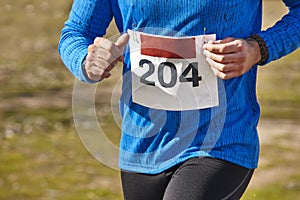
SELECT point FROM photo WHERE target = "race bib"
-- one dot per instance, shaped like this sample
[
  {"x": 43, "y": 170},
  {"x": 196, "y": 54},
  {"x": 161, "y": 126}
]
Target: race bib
[{"x": 171, "y": 73}]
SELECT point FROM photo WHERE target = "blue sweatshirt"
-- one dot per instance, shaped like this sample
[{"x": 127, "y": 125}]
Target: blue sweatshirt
[{"x": 155, "y": 140}]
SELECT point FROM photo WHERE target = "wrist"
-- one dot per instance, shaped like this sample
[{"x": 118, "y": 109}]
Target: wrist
[
  {"x": 260, "y": 49},
  {"x": 83, "y": 65},
  {"x": 255, "y": 50}
]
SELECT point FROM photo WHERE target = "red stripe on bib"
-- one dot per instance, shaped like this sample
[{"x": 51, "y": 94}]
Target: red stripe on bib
[{"x": 183, "y": 48}]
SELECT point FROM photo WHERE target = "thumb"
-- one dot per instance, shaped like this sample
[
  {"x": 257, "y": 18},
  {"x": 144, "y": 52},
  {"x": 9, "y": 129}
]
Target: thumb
[{"x": 122, "y": 41}]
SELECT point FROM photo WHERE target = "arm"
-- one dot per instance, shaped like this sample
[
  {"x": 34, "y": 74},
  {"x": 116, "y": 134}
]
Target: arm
[
  {"x": 284, "y": 36},
  {"x": 87, "y": 20},
  {"x": 233, "y": 57}
]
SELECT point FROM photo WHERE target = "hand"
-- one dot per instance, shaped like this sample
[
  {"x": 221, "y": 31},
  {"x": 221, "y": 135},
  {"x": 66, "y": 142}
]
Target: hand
[
  {"x": 103, "y": 56},
  {"x": 231, "y": 57}
]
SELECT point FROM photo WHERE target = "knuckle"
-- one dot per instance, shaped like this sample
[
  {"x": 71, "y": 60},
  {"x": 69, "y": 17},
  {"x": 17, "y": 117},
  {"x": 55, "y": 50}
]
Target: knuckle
[
  {"x": 91, "y": 48},
  {"x": 89, "y": 57},
  {"x": 236, "y": 45},
  {"x": 239, "y": 43},
  {"x": 98, "y": 40}
]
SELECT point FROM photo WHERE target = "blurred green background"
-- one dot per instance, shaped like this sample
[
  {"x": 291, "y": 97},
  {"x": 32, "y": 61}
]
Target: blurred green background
[{"x": 41, "y": 155}]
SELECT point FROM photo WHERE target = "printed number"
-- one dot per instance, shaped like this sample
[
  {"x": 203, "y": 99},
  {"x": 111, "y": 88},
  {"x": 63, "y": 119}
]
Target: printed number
[
  {"x": 195, "y": 79},
  {"x": 148, "y": 73},
  {"x": 161, "y": 79}
]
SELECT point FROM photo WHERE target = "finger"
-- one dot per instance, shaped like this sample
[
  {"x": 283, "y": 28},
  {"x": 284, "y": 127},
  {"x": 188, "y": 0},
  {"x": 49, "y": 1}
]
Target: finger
[
  {"x": 107, "y": 45},
  {"x": 226, "y": 40},
  {"x": 104, "y": 45},
  {"x": 226, "y": 58},
  {"x": 223, "y": 46},
  {"x": 104, "y": 54},
  {"x": 96, "y": 73},
  {"x": 225, "y": 71},
  {"x": 215, "y": 70},
  {"x": 229, "y": 75},
  {"x": 95, "y": 52},
  {"x": 224, "y": 75},
  {"x": 108, "y": 67},
  {"x": 102, "y": 64},
  {"x": 96, "y": 60},
  {"x": 91, "y": 48},
  {"x": 98, "y": 41},
  {"x": 115, "y": 49},
  {"x": 226, "y": 67}
]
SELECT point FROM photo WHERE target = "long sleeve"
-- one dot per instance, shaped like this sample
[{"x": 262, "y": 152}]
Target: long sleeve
[
  {"x": 284, "y": 36},
  {"x": 88, "y": 19}
]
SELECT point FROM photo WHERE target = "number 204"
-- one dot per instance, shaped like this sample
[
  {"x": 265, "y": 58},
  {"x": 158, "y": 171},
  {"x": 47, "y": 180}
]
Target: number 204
[{"x": 194, "y": 79}]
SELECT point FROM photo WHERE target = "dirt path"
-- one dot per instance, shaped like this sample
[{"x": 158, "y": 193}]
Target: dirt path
[{"x": 286, "y": 134}]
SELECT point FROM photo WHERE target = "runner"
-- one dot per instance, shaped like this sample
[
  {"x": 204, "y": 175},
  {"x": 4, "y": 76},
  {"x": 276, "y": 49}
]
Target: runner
[{"x": 181, "y": 146}]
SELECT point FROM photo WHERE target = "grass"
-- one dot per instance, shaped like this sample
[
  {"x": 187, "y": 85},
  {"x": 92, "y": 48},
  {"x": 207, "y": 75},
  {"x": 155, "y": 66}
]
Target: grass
[
  {"x": 274, "y": 192},
  {"x": 53, "y": 165},
  {"x": 278, "y": 88},
  {"x": 41, "y": 155}
]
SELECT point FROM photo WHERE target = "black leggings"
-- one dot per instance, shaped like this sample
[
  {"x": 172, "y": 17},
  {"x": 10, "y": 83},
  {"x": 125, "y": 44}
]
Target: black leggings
[{"x": 196, "y": 179}]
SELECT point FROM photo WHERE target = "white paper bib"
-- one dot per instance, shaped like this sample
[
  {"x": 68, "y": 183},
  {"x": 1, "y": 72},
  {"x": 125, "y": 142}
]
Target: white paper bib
[{"x": 171, "y": 73}]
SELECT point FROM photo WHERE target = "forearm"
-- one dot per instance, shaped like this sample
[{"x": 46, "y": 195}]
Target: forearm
[
  {"x": 73, "y": 50},
  {"x": 82, "y": 27},
  {"x": 284, "y": 36}
]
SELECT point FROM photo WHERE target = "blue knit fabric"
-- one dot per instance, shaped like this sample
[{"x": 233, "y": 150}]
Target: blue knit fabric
[{"x": 154, "y": 140}]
